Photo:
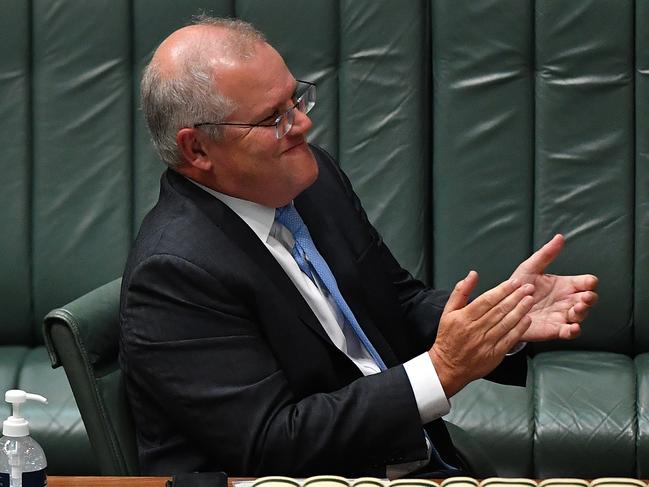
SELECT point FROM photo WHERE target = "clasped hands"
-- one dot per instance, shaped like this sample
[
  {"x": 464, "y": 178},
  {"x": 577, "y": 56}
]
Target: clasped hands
[{"x": 473, "y": 338}]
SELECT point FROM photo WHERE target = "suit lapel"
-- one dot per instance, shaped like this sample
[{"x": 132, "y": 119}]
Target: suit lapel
[{"x": 246, "y": 240}]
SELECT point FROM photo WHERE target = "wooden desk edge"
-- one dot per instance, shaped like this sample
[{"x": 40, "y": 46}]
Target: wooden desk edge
[{"x": 61, "y": 481}]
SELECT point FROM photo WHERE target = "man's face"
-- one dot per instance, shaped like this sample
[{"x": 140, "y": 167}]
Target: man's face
[{"x": 251, "y": 163}]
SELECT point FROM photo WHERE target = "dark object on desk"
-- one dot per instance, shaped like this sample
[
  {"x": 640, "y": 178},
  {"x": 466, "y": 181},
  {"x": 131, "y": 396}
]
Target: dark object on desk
[{"x": 199, "y": 479}]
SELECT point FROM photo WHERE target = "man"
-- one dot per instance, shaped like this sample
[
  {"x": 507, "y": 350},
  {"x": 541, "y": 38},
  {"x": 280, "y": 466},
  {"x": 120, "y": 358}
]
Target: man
[{"x": 257, "y": 345}]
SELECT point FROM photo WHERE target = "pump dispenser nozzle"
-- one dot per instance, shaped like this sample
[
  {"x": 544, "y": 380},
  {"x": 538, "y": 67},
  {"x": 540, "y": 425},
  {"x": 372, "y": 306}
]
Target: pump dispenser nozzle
[{"x": 15, "y": 425}]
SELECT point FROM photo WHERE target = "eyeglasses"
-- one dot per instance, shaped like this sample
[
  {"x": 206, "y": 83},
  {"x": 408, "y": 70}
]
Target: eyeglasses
[{"x": 304, "y": 101}]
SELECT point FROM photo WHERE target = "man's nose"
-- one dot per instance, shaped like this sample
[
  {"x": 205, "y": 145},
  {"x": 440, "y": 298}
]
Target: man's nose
[{"x": 302, "y": 122}]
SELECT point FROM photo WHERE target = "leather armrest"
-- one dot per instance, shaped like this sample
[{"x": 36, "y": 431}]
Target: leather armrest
[{"x": 83, "y": 337}]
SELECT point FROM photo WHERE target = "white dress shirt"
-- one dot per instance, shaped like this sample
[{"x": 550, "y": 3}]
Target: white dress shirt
[{"x": 429, "y": 394}]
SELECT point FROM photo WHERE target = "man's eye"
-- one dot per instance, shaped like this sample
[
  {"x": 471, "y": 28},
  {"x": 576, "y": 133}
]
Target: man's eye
[{"x": 271, "y": 118}]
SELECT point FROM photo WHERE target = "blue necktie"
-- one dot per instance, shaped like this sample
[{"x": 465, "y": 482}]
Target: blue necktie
[{"x": 310, "y": 261}]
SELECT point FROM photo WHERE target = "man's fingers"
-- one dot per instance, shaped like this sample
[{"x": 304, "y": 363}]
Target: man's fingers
[
  {"x": 506, "y": 316},
  {"x": 589, "y": 298},
  {"x": 578, "y": 313},
  {"x": 585, "y": 282},
  {"x": 569, "y": 331},
  {"x": 514, "y": 335},
  {"x": 461, "y": 292},
  {"x": 490, "y": 299},
  {"x": 543, "y": 257}
]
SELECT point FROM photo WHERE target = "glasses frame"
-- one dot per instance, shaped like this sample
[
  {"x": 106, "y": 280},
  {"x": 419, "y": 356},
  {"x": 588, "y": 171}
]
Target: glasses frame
[{"x": 289, "y": 114}]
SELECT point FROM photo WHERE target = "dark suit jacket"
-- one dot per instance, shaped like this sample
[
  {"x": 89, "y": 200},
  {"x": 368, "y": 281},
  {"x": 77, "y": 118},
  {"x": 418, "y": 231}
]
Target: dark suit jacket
[{"x": 228, "y": 368}]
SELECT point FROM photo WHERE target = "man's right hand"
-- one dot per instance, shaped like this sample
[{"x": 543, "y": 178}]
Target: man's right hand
[{"x": 473, "y": 338}]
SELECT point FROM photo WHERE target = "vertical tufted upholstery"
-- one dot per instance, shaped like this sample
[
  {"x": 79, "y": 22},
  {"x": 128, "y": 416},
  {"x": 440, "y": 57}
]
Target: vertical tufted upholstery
[
  {"x": 473, "y": 131},
  {"x": 540, "y": 128}
]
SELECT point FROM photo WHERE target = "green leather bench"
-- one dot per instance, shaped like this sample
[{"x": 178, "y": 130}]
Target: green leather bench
[{"x": 472, "y": 130}]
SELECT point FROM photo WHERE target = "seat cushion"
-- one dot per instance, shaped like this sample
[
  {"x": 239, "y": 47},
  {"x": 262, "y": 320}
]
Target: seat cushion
[
  {"x": 504, "y": 433},
  {"x": 57, "y": 426},
  {"x": 642, "y": 384},
  {"x": 577, "y": 412},
  {"x": 585, "y": 405},
  {"x": 11, "y": 358}
]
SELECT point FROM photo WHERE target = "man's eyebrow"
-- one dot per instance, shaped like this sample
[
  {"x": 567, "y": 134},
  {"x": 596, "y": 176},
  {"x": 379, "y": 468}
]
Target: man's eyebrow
[
  {"x": 261, "y": 120},
  {"x": 276, "y": 108}
]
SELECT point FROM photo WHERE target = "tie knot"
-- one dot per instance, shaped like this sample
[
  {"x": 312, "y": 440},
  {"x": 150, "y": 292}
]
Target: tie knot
[{"x": 290, "y": 218}]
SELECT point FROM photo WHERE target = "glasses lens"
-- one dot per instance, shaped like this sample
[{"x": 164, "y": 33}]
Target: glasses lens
[
  {"x": 284, "y": 124},
  {"x": 307, "y": 101}
]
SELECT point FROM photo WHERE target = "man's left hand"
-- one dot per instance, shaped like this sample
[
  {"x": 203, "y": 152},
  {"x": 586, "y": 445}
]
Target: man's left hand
[{"x": 561, "y": 303}]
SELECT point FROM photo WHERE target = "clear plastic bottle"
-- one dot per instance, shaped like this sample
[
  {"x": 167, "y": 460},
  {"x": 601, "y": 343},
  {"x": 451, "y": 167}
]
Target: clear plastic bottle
[
  {"x": 22, "y": 460},
  {"x": 22, "y": 463}
]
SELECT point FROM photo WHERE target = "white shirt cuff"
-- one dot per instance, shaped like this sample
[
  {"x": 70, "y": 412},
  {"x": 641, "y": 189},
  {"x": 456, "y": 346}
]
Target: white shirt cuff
[
  {"x": 516, "y": 348},
  {"x": 429, "y": 394}
]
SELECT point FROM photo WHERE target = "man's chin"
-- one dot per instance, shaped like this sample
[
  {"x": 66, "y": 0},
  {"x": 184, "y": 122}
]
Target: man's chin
[{"x": 308, "y": 168}]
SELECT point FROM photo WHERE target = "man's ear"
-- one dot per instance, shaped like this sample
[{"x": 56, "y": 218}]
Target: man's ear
[{"x": 190, "y": 142}]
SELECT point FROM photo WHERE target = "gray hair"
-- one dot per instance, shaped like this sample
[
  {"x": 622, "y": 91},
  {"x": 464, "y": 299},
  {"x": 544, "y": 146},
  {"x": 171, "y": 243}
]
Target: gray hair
[{"x": 189, "y": 96}]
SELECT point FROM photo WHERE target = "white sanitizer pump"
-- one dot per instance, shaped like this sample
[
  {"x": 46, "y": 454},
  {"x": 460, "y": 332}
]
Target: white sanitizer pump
[{"x": 22, "y": 460}]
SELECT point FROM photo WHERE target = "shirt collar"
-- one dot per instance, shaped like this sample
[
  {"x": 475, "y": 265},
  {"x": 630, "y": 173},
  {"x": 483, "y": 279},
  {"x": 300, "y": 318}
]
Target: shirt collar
[{"x": 258, "y": 217}]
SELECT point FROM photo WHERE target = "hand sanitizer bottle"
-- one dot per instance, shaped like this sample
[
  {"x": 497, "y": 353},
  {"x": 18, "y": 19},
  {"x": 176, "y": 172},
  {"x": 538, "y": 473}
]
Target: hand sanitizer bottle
[{"x": 22, "y": 461}]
